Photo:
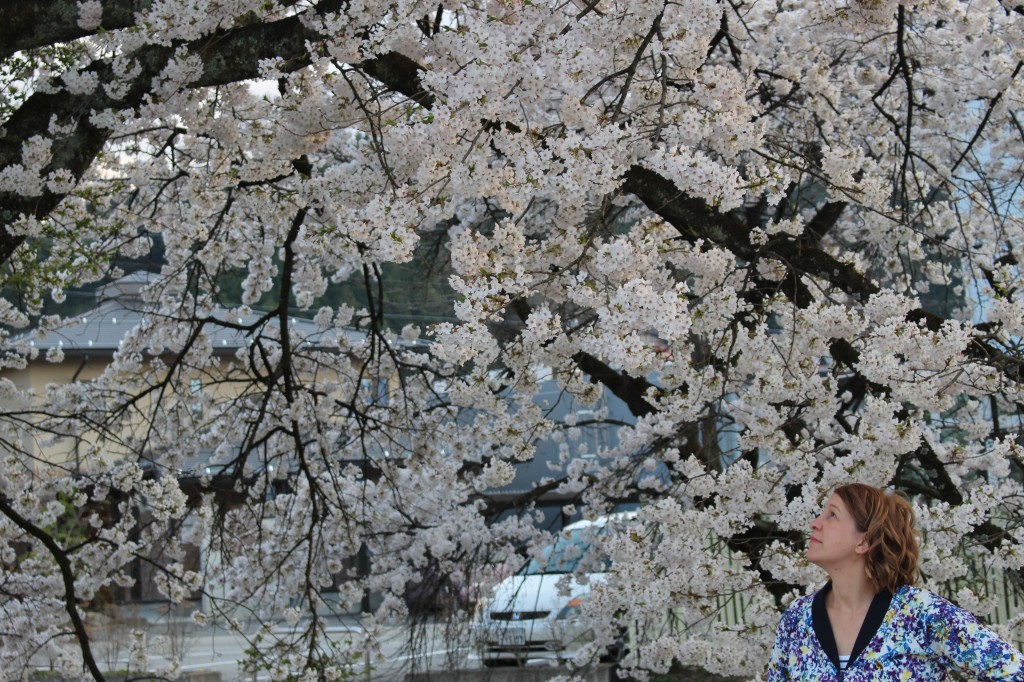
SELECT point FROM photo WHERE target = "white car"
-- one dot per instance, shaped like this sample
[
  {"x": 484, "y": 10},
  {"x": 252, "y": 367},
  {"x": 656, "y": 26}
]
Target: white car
[{"x": 535, "y": 613}]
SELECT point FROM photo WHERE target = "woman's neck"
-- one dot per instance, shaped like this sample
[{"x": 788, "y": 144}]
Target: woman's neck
[{"x": 852, "y": 592}]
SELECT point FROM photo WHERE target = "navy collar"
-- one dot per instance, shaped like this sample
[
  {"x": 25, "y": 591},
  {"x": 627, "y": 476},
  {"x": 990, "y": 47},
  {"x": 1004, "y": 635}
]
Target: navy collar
[{"x": 823, "y": 626}]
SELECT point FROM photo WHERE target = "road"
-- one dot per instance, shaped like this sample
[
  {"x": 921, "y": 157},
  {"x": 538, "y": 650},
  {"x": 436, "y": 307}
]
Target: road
[
  {"x": 428, "y": 646},
  {"x": 433, "y": 646}
]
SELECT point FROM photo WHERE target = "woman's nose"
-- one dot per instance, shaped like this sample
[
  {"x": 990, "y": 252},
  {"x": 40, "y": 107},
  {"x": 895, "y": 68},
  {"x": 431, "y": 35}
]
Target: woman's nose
[{"x": 815, "y": 523}]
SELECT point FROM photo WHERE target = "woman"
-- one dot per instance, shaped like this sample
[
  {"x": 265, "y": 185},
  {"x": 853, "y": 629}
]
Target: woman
[{"x": 869, "y": 622}]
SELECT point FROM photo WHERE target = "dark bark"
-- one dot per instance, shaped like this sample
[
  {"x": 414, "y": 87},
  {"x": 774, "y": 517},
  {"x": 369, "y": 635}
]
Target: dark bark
[
  {"x": 29, "y": 24},
  {"x": 629, "y": 390}
]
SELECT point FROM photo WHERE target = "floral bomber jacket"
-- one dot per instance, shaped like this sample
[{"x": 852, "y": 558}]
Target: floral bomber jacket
[{"x": 910, "y": 635}]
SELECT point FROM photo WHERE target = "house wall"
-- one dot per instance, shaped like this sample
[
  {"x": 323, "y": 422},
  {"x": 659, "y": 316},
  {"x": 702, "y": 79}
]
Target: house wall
[{"x": 38, "y": 447}]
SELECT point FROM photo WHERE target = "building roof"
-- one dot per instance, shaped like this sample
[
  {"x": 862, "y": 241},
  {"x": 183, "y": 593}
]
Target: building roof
[{"x": 120, "y": 308}]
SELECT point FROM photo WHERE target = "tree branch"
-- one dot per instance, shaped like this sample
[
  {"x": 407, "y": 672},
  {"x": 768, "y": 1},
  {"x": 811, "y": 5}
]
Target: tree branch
[
  {"x": 67, "y": 574},
  {"x": 30, "y": 24},
  {"x": 228, "y": 57}
]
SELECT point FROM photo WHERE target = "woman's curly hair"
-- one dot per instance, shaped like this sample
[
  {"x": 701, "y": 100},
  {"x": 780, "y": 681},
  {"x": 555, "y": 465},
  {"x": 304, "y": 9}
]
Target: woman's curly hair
[{"x": 888, "y": 523}]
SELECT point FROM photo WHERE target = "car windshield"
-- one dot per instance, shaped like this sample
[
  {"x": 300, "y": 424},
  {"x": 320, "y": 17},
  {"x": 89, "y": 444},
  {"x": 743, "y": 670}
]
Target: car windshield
[{"x": 565, "y": 555}]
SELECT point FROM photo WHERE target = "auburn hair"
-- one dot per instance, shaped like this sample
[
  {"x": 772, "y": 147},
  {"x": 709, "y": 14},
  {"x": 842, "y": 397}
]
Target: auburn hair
[{"x": 888, "y": 523}]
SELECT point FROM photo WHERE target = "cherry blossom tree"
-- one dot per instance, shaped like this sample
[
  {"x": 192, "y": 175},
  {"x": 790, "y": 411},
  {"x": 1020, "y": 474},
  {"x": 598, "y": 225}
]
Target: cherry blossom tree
[{"x": 791, "y": 224}]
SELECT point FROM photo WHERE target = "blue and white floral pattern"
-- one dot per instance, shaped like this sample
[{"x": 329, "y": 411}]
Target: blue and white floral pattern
[{"x": 921, "y": 637}]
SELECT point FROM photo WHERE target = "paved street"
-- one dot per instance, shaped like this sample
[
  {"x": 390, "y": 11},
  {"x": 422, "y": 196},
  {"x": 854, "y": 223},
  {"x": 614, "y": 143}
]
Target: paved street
[
  {"x": 432, "y": 649},
  {"x": 402, "y": 650},
  {"x": 430, "y": 646}
]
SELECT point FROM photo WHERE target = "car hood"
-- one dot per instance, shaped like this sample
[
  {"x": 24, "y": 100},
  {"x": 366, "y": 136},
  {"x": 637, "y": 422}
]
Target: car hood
[{"x": 524, "y": 593}]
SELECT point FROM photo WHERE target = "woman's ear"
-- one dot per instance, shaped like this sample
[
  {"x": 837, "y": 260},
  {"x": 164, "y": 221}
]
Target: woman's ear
[{"x": 863, "y": 546}]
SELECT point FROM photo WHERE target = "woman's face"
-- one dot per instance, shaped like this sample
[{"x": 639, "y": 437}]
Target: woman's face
[{"x": 834, "y": 536}]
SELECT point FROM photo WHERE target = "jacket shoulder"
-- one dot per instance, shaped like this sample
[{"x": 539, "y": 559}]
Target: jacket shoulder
[
  {"x": 798, "y": 611},
  {"x": 910, "y": 596}
]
